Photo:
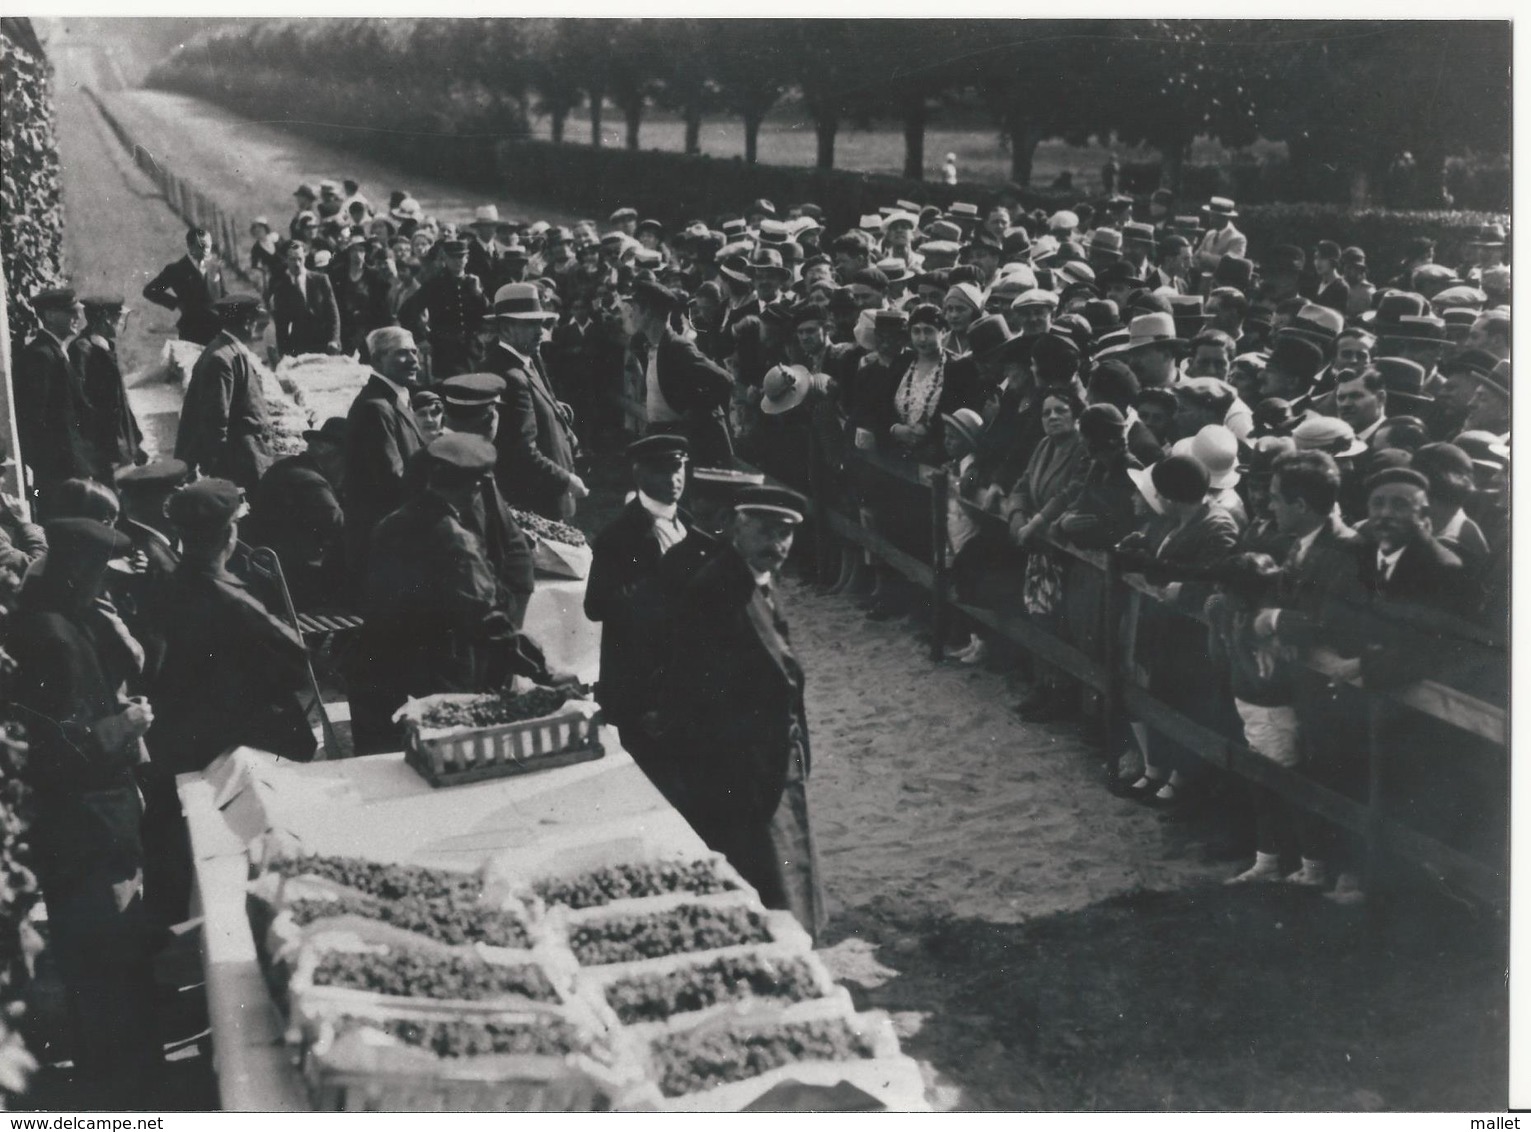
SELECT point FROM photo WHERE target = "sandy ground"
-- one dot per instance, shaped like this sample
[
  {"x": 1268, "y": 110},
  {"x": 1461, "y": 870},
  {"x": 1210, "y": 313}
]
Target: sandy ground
[{"x": 1039, "y": 942}]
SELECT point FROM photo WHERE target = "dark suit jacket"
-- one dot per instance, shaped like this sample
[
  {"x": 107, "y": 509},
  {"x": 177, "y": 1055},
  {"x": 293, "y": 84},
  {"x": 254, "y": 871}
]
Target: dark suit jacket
[
  {"x": 1426, "y": 574},
  {"x": 362, "y": 305},
  {"x": 182, "y": 286},
  {"x": 294, "y": 510},
  {"x": 223, "y": 428},
  {"x": 380, "y": 439},
  {"x": 536, "y": 445},
  {"x": 233, "y": 674},
  {"x": 52, "y": 413},
  {"x": 306, "y": 320},
  {"x": 698, "y": 389},
  {"x": 732, "y": 692},
  {"x": 1329, "y": 566},
  {"x": 625, "y": 594},
  {"x": 113, "y": 431}
]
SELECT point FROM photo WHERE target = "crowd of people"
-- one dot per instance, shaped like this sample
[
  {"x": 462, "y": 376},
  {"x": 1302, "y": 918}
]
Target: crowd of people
[{"x": 1265, "y": 440}]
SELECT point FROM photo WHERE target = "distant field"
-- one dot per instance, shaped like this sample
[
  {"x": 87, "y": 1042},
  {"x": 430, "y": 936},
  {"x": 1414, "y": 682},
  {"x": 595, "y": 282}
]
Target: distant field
[{"x": 786, "y": 141}]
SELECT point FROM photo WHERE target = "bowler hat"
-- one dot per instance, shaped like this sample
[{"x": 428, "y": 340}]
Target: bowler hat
[
  {"x": 1406, "y": 476},
  {"x": 1300, "y": 357},
  {"x": 333, "y": 431},
  {"x": 1234, "y": 271}
]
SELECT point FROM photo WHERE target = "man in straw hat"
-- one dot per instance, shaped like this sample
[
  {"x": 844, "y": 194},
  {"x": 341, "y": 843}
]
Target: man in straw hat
[
  {"x": 536, "y": 435},
  {"x": 732, "y": 718}
]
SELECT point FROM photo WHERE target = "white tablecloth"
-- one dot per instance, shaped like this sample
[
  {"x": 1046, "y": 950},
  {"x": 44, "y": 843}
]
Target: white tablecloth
[{"x": 374, "y": 806}]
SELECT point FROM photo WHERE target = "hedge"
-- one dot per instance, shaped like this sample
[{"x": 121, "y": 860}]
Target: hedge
[{"x": 31, "y": 202}]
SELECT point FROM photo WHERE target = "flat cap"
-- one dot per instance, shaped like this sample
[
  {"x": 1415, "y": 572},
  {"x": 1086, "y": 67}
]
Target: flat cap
[
  {"x": 207, "y": 505},
  {"x": 779, "y": 502},
  {"x": 103, "y": 302},
  {"x": 73, "y": 538},
  {"x": 472, "y": 390},
  {"x": 160, "y": 475},
  {"x": 53, "y": 298},
  {"x": 424, "y": 398},
  {"x": 661, "y": 448}
]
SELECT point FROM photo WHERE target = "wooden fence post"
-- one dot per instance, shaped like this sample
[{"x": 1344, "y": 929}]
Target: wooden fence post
[
  {"x": 1113, "y": 665},
  {"x": 938, "y": 492}
]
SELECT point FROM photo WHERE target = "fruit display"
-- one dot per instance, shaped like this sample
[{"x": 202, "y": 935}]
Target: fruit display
[
  {"x": 706, "y": 1057},
  {"x": 534, "y": 524},
  {"x": 416, "y": 973},
  {"x": 446, "y": 919},
  {"x": 496, "y": 709},
  {"x": 382, "y": 880},
  {"x": 650, "y": 935},
  {"x": 464, "y": 1037},
  {"x": 654, "y": 997},
  {"x": 626, "y": 881}
]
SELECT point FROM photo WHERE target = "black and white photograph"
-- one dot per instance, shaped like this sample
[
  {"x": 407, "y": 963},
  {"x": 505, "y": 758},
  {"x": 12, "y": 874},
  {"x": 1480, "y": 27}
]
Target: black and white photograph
[{"x": 884, "y": 561}]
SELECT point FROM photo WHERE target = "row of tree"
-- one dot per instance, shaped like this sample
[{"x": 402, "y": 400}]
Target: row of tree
[{"x": 1351, "y": 94}]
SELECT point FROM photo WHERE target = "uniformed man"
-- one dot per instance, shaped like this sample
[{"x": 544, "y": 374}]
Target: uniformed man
[
  {"x": 735, "y": 738},
  {"x": 83, "y": 745},
  {"x": 112, "y": 432},
  {"x": 144, "y": 595},
  {"x": 295, "y": 511},
  {"x": 446, "y": 310},
  {"x": 224, "y": 428},
  {"x": 430, "y": 599},
  {"x": 627, "y": 595},
  {"x": 52, "y": 413},
  {"x": 470, "y": 404}
]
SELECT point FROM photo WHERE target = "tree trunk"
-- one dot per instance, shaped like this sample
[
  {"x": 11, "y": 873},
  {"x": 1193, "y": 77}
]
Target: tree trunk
[
  {"x": 1024, "y": 139},
  {"x": 752, "y": 122},
  {"x": 559, "y": 118},
  {"x": 826, "y": 127},
  {"x": 634, "y": 115},
  {"x": 693, "y": 129},
  {"x": 595, "y": 119},
  {"x": 915, "y": 114}
]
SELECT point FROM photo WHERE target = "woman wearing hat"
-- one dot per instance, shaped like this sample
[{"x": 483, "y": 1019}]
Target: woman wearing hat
[
  {"x": 1185, "y": 534},
  {"x": 1040, "y": 496},
  {"x": 361, "y": 294},
  {"x": 963, "y": 304}
]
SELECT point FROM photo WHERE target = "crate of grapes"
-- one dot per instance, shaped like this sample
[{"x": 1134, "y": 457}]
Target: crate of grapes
[{"x": 452, "y": 739}]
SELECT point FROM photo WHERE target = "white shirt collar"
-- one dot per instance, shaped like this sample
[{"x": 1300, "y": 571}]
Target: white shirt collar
[
  {"x": 1453, "y": 527},
  {"x": 657, "y": 509},
  {"x": 763, "y": 579},
  {"x": 1370, "y": 430},
  {"x": 1305, "y": 543},
  {"x": 1386, "y": 562},
  {"x": 524, "y": 359},
  {"x": 400, "y": 393}
]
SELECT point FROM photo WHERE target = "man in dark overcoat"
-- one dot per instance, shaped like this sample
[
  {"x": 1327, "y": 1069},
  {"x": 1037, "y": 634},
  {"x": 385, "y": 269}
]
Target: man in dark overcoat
[
  {"x": 685, "y": 392},
  {"x": 303, "y": 306},
  {"x": 224, "y": 428},
  {"x": 626, "y": 594},
  {"x": 112, "y": 431},
  {"x": 381, "y": 437},
  {"x": 536, "y": 438},
  {"x": 734, "y": 733},
  {"x": 447, "y": 309},
  {"x": 52, "y": 413}
]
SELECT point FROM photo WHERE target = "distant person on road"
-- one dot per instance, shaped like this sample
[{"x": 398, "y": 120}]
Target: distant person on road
[
  {"x": 191, "y": 285},
  {"x": 303, "y": 306},
  {"x": 949, "y": 170}
]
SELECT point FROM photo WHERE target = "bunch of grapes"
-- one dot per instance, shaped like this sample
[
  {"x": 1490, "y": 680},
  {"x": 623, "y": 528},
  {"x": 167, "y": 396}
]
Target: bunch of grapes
[
  {"x": 459, "y": 1037},
  {"x": 497, "y": 708},
  {"x": 548, "y": 528},
  {"x": 653, "y": 998},
  {"x": 695, "y": 1060},
  {"x": 690, "y": 927},
  {"x": 621, "y": 882},
  {"x": 385, "y": 881},
  {"x": 409, "y": 973},
  {"x": 446, "y": 919}
]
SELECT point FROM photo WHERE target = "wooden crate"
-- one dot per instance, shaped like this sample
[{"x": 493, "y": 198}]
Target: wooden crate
[{"x": 498, "y": 752}]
